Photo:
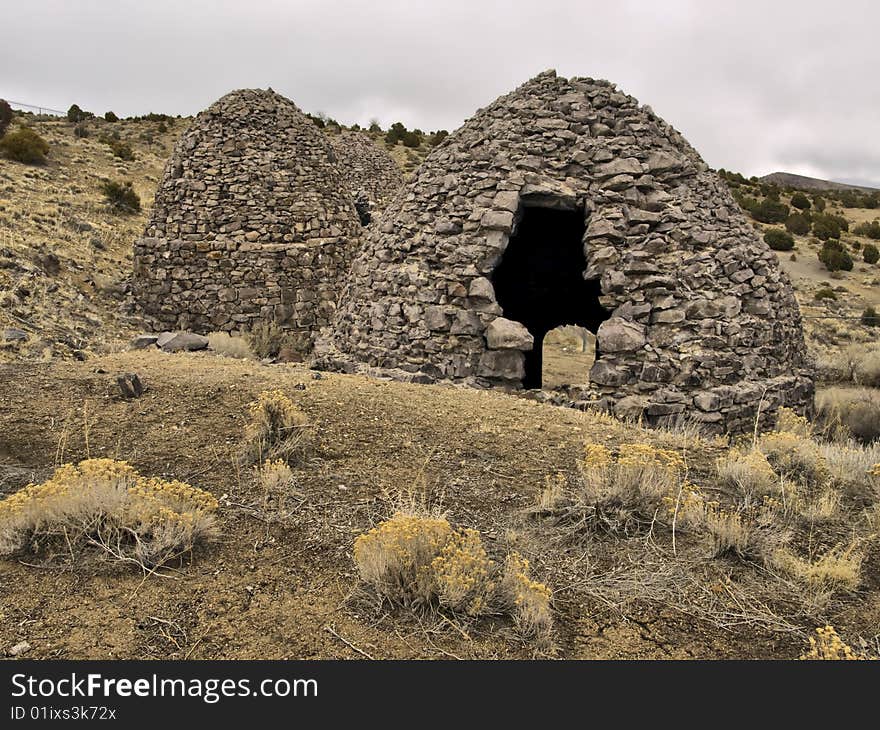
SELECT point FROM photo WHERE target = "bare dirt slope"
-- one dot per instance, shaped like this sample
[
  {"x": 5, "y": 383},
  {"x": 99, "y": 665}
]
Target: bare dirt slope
[{"x": 289, "y": 589}]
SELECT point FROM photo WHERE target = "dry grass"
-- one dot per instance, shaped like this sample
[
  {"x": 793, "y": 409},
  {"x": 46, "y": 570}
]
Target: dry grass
[
  {"x": 224, "y": 344},
  {"x": 277, "y": 430},
  {"x": 855, "y": 411},
  {"x": 838, "y": 569},
  {"x": 107, "y": 504},
  {"x": 749, "y": 473}
]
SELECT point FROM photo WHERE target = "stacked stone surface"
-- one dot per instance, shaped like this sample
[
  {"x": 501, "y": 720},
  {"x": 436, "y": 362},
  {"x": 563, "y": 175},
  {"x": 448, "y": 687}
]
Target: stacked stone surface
[
  {"x": 701, "y": 320},
  {"x": 366, "y": 168},
  {"x": 251, "y": 222}
]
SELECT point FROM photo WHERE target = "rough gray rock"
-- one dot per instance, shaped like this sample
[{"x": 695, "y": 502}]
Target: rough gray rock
[
  {"x": 504, "y": 334},
  {"x": 142, "y": 342},
  {"x": 366, "y": 169},
  {"x": 620, "y": 335},
  {"x": 178, "y": 341}
]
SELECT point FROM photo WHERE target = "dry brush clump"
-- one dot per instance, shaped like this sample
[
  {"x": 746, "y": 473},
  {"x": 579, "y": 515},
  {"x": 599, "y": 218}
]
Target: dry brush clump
[
  {"x": 277, "y": 430},
  {"x": 421, "y": 561},
  {"x": 106, "y": 504},
  {"x": 828, "y": 646},
  {"x": 616, "y": 494},
  {"x": 851, "y": 412}
]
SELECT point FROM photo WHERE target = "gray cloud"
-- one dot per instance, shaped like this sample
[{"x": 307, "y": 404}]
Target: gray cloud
[{"x": 755, "y": 86}]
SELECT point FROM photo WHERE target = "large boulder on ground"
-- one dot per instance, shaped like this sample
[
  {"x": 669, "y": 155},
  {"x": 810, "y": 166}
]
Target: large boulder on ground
[{"x": 176, "y": 341}]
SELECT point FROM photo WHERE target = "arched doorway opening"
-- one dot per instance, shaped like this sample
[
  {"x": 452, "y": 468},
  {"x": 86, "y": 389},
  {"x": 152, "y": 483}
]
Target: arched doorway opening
[{"x": 539, "y": 281}]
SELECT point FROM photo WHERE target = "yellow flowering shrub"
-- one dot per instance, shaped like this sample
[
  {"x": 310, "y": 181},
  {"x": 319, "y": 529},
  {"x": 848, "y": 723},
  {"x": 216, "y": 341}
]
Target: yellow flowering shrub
[
  {"x": 828, "y": 646},
  {"x": 106, "y": 503},
  {"x": 276, "y": 482},
  {"x": 462, "y": 573},
  {"x": 789, "y": 421},
  {"x": 395, "y": 557},
  {"x": 276, "y": 429},
  {"x": 795, "y": 457},
  {"x": 617, "y": 494},
  {"x": 526, "y": 599},
  {"x": 838, "y": 569},
  {"x": 421, "y": 561},
  {"x": 749, "y": 472}
]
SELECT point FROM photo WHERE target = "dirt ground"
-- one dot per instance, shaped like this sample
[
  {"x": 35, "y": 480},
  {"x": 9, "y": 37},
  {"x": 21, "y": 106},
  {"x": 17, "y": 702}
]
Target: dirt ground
[{"x": 290, "y": 590}]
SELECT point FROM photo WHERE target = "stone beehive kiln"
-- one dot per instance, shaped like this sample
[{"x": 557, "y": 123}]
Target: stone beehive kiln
[
  {"x": 251, "y": 222},
  {"x": 565, "y": 202},
  {"x": 367, "y": 170}
]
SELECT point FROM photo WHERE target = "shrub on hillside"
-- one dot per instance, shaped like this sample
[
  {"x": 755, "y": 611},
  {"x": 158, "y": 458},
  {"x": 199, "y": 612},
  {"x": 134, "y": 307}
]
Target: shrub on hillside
[
  {"x": 797, "y": 224},
  {"x": 5, "y": 116},
  {"x": 871, "y": 230},
  {"x": 834, "y": 257},
  {"x": 24, "y": 145},
  {"x": 826, "y": 293},
  {"x": 276, "y": 430},
  {"x": 800, "y": 201},
  {"x": 121, "y": 196},
  {"x": 779, "y": 240},
  {"x": 870, "y": 317},
  {"x": 871, "y": 254},
  {"x": 770, "y": 211},
  {"x": 856, "y": 409},
  {"x": 122, "y": 150},
  {"x": 420, "y": 561},
  {"x": 437, "y": 137},
  {"x": 819, "y": 203},
  {"x": 826, "y": 227},
  {"x": 412, "y": 139},
  {"x": 81, "y": 130},
  {"x": 111, "y": 117},
  {"x": 106, "y": 504},
  {"x": 75, "y": 114}
]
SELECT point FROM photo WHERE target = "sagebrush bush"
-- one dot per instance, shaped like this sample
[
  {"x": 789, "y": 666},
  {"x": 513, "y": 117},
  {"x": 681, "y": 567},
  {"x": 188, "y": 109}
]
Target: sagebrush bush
[
  {"x": 870, "y": 253},
  {"x": 870, "y": 318},
  {"x": 797, "y": 224},
  {"x": 276, "y": 483},
  {"x": 834, "y": 257},
  {"x": 748, "y": 472},
  {"x": 828, "y": 646},
  {"x": 106, "y": 504},
  {"x": 616, "y": 494},
  {"x": 24, "y": 145},
  {"x": 121, "y": 196},
  {"x": 266, "y": 339},
  {"x": 122, "y": 150},
  {"x": 420, "y": 561},
  {"x": 826, "y": 293},
  {"x": 276, "y": 430},
  {"x": 794, "y": 457},
  {"x": 838, "y": 569},
  {"x": 779, "y": 240}
]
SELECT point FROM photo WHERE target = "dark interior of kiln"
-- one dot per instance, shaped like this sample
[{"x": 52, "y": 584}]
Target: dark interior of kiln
[{"x": 539, "y": 281}]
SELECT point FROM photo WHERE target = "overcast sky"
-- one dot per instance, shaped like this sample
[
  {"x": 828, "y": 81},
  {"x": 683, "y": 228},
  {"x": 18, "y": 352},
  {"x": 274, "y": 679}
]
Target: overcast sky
[{"x": 755, "y": 86}]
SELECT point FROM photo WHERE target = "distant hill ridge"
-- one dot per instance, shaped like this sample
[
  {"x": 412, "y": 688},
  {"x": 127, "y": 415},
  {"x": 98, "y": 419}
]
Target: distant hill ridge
[{"x": 802, "y": 182}]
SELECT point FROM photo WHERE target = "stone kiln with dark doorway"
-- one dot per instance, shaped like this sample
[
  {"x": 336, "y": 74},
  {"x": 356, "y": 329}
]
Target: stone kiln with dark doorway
[{"x": 540, "y": 280}]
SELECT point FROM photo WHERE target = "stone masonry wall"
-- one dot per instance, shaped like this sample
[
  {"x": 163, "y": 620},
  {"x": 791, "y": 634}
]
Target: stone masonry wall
[
  {"x": 703, "y": 321},
  {"x": 251, "y": 222},
  {"x": 366, "y": 168}
]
